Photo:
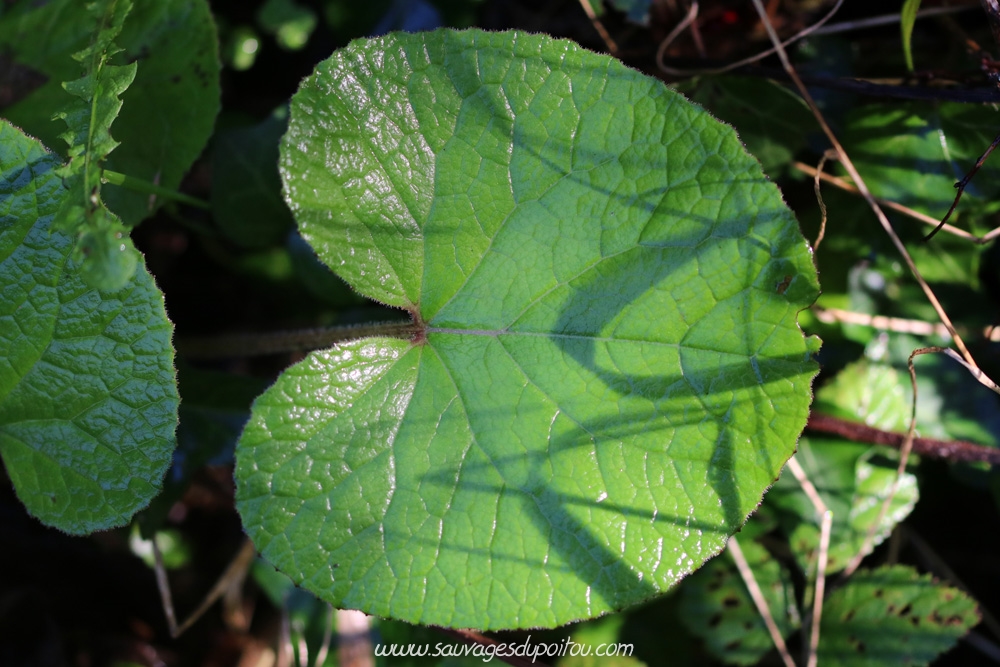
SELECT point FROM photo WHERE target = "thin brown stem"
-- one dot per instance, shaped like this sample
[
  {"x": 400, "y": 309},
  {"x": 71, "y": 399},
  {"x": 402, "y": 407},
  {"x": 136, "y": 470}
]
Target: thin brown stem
[
  {"x": 819, "y": 199},
  {"x": 233, "y": 575},
  {"x": 825, "y": 530},
  {"x": 881, "y": 322},
  {"x": 599, "y": 27},
  {"x": 955, "y": 451},
  {"x": 899, "y": 208},
  {"x": 228, "y": 346},
  {"x": 961, "y": 185},
  {"x": 825, "y": 526},
  {"x": 750, "y": 581}
]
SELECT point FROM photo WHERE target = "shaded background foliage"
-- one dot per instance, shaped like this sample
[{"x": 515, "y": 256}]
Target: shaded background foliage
[{"x": 68, "y": 601}]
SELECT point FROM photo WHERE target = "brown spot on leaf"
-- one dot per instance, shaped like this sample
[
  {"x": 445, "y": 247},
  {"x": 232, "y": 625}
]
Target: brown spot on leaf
[
  {"x": 849, "y": 616},
  {"x": 783, "y": 285},
  {"x": 733, "y": 645},
  {"x": 714, "y": 620},
  {"x": 730, "y": 601},
  {"x": 906, "y": 610}
]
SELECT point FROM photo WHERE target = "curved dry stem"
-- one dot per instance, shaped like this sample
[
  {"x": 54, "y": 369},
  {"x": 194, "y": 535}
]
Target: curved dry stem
[
  {"x": 674, "y": 34},
  {"x": 805, "y": 32},
  {"x": 819, "y": 198},
  {"x": 961, "y": 185},
  {"x": 980, "y": 376}
]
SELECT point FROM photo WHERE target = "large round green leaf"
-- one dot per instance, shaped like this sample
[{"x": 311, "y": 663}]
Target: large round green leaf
[
  {"x": 607, "y": 373},
  {"x": 88, "y": 402}
]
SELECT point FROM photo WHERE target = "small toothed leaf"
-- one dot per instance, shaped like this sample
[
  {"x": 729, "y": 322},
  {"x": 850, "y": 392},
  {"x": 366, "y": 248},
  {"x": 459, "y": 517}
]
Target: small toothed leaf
[{"x": 892, "y": 616}]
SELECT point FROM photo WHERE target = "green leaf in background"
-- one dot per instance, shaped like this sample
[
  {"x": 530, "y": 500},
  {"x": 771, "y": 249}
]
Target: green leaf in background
[
  {"x": 88, "y": 403},
  {"x": 607, "y": 375},
  {"x": 868, "y": 392},
  {"x": 892, "y": 616},
  {"x": 907, "y": 18},
  {"x": 716, "y": 606},
  {"x": 290, "y": 22},
  {"x": 169, "y": 110},
  {"x": 915, "y": 153},
  {"x": 853, "y": 481},
  {"x": 246, "y": 188}
]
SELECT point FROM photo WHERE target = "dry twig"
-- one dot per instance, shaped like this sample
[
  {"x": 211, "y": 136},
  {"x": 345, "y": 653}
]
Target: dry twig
[
  {"x": 825, "y": 526},
  {"x": 750, "y": 581}
]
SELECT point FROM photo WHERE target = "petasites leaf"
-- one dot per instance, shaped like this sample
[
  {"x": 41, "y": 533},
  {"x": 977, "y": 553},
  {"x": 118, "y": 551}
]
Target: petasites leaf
[
  {"x": 607, "y": 372},
  {"x": 88, "y": 403},
  {"x": 892, "y": 616}
]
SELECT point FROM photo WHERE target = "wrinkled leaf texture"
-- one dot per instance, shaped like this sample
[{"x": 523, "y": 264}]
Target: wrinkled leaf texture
[
  {"x": 88, "y": 398},
  {"x": 608, "y": 373}
]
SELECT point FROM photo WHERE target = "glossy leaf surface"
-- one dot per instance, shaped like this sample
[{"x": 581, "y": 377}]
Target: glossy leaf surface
[
  {"x": 607, "y": 374},
  {"x": 88, "y": 403}
]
